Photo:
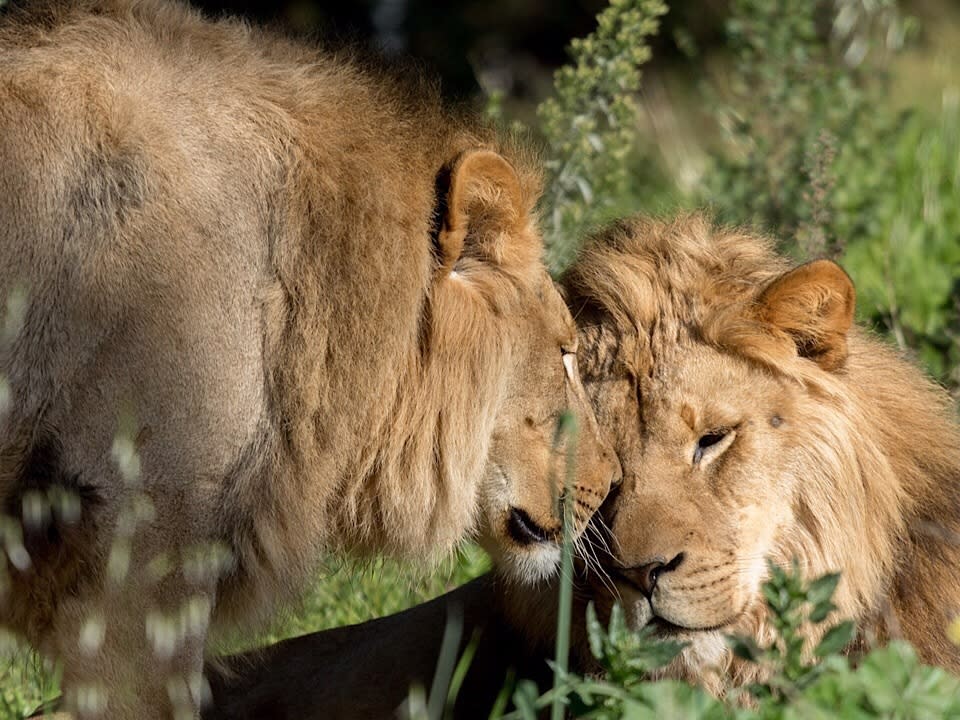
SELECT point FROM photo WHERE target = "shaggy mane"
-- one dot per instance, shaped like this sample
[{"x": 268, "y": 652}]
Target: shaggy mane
[{"x": 880, "y": 468}]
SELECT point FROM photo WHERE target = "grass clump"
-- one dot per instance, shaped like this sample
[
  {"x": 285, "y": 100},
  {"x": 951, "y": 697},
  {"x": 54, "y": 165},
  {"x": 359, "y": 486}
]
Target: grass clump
[
  {"x": 589, "y": 124},
  {"x": 799, "y": 682}
]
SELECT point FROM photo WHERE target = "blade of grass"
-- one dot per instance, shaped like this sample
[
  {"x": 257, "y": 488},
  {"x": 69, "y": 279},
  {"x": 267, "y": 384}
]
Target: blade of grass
[
  {"x": 568, "y": 426},
  {"x": 446, "y": 662},
  {"x": 460, "y": 672},
  {"x": 503, "y": 697}
]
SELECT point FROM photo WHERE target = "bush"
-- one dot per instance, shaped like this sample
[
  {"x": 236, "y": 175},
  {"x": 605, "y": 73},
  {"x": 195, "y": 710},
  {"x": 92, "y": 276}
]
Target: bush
[
  {"x": 804, "y": 144},
  {"x": 589, "y": 123},
  {"x": 886, "y": 683},
  {"x": 814, "y": 153}
]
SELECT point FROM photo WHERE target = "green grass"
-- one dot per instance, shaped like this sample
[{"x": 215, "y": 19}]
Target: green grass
[{"x": 350, "y": 592}]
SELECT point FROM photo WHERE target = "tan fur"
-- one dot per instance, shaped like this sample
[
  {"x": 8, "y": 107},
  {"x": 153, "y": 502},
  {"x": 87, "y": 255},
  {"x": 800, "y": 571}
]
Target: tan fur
[
  {"x": 823, "y": 444},
  {"x": 318, "y": 294},
  {"x": 682, "y": 323}
]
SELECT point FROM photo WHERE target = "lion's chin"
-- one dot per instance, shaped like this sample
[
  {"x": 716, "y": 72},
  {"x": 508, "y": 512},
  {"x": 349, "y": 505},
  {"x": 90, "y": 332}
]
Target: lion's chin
[
  {"x": 531, "y": 564},
  {"x": 522, "y": 549},
  {"x": 639, "y": 613}
]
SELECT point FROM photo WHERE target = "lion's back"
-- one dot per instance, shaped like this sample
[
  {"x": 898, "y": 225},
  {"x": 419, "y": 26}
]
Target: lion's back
[
  {"x": 156, "y": 170},
  {"x": 176, "y": 192}
]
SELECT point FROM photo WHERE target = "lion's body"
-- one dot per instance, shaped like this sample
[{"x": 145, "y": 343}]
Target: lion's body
[
  {"x": 814, "y": 443},
  {"x": 242, "y": 242},
  {"x": 863, "y": 479},
  {"x": 373, "y": 666}
]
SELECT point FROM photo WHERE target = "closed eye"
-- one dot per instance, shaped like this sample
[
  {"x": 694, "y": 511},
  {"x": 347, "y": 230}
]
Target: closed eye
[
  {"x": 711, "y": 445},
  {"x": 570, "y": 364}
]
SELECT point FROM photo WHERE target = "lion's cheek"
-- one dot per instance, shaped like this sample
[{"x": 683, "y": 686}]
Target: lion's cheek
[
  {"x": 699, "y": 608},
  {"x": 759, "y": 527}
]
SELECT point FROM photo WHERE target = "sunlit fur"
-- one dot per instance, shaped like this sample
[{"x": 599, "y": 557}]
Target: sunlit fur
[
  {"x": 320, "y": 326},
  {"x": 862, "y": 479},
  {"x": 847, "y": 458}
]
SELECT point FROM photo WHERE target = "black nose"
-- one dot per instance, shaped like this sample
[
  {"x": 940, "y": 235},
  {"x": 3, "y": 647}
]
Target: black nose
[
  {"x": 645, "y": 576},
  {"x": 524, "y": 530},
  {"x": 617, "y": 479}
]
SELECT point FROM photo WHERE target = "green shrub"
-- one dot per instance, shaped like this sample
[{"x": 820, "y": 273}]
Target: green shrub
[
  {"x": 589, "y": 124},
  {"x": 899, "y": 213},
  {"x": 805, "y": 144},
  {"x": 887, "y": 683},
  {"x": 814, "y": 152}
]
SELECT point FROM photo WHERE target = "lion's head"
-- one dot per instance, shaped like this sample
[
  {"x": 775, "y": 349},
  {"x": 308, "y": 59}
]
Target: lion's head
[
  {"x": 489, "y": 224},
  {"x": 752, "y": 422},
  {"x": 496, "y": 370},
  {"x": 529, "y": 460}
]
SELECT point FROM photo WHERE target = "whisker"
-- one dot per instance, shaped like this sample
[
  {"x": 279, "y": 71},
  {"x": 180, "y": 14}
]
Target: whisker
[{"x": 593, "y": 563}]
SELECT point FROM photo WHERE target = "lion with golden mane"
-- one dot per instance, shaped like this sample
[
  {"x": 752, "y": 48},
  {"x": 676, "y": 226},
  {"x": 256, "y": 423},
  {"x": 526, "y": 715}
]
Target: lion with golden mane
[
  {"x": 319, "y": 298},
  {"x": 752, "y": 419}
]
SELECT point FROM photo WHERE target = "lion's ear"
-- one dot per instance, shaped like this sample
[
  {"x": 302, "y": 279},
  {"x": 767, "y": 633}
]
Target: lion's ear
[
  {"x": 813, "y": 304},
  {"x": 484, "y": 207}
]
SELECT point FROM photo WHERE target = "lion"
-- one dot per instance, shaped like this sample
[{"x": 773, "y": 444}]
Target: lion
[
  {"x": 755, "y": 420},
  {"x": 277, "y": 305},
  {"x": 373, "y": 666}
]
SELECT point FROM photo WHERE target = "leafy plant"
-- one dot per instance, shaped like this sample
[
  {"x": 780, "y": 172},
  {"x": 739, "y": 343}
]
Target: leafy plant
[
  {"x": 794, "y": 608},
  {"x": 814, "y": 152},
  {"x": 589, "y": 123},
  {"x": 799, "y": 681}
]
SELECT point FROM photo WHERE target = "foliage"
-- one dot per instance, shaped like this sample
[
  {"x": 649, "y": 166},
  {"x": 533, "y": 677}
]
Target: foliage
[
  {"x": 808, "y": 146},
  {"x": 898, "y": 210},
  {"x": 792, "y": 606},
  {"x": 815, "y": 153},
  {"x": 589, "y": 123},
  {"x": 25, "y": 682},
  {"x": 887, "y": 683},
  {"x": 788, "y": 96}
]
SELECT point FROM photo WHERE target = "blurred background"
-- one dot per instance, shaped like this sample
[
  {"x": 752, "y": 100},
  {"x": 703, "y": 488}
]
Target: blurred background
[{"x": 473, "y": 45}]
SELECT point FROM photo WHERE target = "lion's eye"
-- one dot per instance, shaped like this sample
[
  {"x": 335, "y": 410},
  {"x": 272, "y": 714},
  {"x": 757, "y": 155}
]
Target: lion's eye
[
  {"x": 711, "y": 444},
  {"x": 569, "y": 363}
]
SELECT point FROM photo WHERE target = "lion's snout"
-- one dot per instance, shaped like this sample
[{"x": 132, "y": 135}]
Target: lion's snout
[
  {"x": 684, "y": 589},
  {"x": 646, "y": 575}
]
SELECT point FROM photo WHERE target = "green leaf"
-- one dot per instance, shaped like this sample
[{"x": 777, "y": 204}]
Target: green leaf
[
  {"x": 525, "y": 699},
  {"x": 595, "y": 632},
  {"x": 836, "y": 638},
  {"x": 821, "y": 610},
  {"x": 822, "y": 589}
]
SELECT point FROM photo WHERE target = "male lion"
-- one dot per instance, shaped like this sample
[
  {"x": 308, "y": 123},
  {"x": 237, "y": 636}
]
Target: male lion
[
  {"x": 319, "y": 295},
  {"x": 753, "y": 420}
]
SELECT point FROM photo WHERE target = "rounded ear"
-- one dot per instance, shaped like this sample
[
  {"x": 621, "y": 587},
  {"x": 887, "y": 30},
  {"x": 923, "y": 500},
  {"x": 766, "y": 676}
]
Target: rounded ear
[
  {"x": 484, "y": 203},
  {"x": 814, "y": 304}
]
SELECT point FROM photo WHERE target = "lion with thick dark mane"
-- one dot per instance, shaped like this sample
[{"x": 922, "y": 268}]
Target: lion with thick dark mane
[
  {"x": 318, "y": 295},
  {"x": 754, "y": 420}
]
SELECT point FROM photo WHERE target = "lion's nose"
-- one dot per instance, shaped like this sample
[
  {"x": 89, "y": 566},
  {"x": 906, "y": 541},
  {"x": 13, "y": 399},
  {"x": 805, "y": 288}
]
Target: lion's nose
[
  {"x": 645, "y": 576},
  {"x": 616, "y": 480}
]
